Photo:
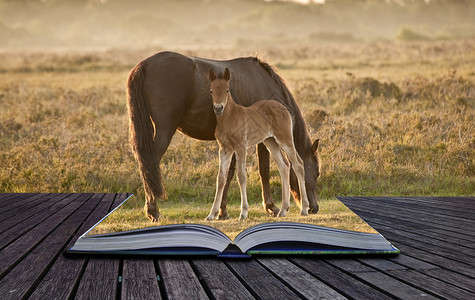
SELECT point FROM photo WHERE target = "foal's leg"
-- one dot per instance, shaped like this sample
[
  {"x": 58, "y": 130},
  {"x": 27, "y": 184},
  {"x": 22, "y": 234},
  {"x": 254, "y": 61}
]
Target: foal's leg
[
  {"x": 241, "y": 174},
  {"x": 263, "y": 164},
  {"x": 225, "y": 157},
  {"x": 223, "y": 211},
  {"x": 284, "y": 170}
]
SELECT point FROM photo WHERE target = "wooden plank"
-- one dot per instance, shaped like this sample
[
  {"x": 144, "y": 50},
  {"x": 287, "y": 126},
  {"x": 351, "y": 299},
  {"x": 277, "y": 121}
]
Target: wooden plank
[
  {"x": 393, "y": 287},
  {"x": 441, "y": 206},
  {"x": 301, "y": 282},
  {"x": 344, "y": 283},
  {"x": 16, "y": 200},
  {"x": 29, "y": 219},
  {"x": 437, "y": 260},
  {"x": 376, "y": 276},
  {"x": 411, "y": 262},
  {"x": 260, "y": 282},
  {"x": 36, "y": 203},
  {"x": 425, "y": 226},
  {"x": 66, "y": 270},
  {"x": 439, "y": 248},
  {"x": 448, "y": 276},
  {"x": 106, "y": 270},
  {"x": 100, "y": 279},
  {"x": 20, "y": 247},
  {"x": 219, "y": 280},
  {"x": 422, "y": 233},
  {"x": 139, "y": 280},
  {"x": 179, "y": 280},
  {"x": 446, "y": 222},
  {"x": 5, "y": 196},
  {"x": 20, "y": 280},
  {"x": 437, "y": 287}
]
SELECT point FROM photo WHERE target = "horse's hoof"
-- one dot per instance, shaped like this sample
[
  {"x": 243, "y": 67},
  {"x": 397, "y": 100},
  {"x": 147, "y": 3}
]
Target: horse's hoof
[
  {"x": 223, "y": 216},
  {"x": 154, "y": 217},
  {"x": 282, "y": 214},
  {"x": 304, "y": 213},
  {"x": 313, "y": 210},
  {"x": 272, "y": 210}
]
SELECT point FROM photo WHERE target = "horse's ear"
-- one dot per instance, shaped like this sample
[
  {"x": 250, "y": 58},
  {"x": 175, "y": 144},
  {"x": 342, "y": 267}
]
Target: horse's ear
[
  {"x": 315, "y": 146},
  {"x": 227, "y": 74},
  {"x": 211, "y": 75}
]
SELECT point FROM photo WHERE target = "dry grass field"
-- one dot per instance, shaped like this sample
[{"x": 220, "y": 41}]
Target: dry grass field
[{"x": 393, "y": 118}]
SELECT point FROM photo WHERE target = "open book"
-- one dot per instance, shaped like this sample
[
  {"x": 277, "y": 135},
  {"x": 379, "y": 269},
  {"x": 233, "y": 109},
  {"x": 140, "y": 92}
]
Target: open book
[{"x": 275, "y": 237}]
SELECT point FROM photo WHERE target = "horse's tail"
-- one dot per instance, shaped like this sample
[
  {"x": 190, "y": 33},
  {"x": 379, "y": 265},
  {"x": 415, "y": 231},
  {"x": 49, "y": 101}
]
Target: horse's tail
[{"x": 142, "y": 134}]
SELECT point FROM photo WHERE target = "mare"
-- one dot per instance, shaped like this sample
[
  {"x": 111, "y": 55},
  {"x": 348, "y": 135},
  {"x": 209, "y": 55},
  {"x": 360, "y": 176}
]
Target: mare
[
  {"x": 238, "y": 128},
  {"x": 169, "y": 91}
]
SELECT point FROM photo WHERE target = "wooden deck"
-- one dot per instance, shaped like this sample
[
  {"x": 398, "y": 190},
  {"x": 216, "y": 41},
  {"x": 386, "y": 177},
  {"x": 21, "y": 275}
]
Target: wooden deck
[{"x": 436, "y": 237}]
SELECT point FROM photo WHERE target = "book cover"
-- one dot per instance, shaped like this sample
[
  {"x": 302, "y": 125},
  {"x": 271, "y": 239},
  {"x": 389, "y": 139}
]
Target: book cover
[{"x": 184, "y": 231}]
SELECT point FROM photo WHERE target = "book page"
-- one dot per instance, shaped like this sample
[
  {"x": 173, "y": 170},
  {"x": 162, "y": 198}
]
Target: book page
[{"x": 131, "y": 215}]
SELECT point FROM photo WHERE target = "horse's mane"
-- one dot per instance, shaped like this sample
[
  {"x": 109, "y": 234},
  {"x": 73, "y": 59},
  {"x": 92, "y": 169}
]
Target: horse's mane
[{"x": 300, "y": 129}]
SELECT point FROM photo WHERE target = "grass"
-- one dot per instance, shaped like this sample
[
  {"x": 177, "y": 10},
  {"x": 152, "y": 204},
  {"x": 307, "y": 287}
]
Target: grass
[
  {"x": 393, "y": 119},
  {"x": 130, "y": 216}
]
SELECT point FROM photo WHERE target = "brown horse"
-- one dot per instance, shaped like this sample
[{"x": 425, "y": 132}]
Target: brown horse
[
  {"x": 239, "y": 128},
  {"x": 170, "y": 91}
]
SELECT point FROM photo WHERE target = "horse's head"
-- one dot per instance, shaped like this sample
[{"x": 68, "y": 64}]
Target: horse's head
[
  {"x": 219, "y": 90},
  {"x": 312, "y": 171},
  {"x": 312, "y": 164}
]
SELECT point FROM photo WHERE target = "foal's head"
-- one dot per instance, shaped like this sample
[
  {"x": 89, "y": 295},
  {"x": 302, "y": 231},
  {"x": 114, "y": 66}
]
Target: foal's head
[{"x": 219, "y": 90}]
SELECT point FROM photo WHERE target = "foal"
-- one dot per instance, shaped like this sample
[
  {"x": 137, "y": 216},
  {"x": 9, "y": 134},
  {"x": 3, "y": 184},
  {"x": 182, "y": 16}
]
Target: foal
[{"x": 239, "y": 128}]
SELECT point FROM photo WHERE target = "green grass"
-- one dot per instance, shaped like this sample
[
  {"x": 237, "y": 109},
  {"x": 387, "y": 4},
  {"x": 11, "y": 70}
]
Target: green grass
[
  {"x": 130, "y": 216},
  {"x": 393, "y": 119}
]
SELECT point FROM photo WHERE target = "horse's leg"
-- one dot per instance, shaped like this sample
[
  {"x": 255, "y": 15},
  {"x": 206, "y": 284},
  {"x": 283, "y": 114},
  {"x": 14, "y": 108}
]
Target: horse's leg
[
  {"x": 263, "y": 164},
  {"x": 297, "y": 165},
  {"x": 241, "y": 174},
  {"x": 151, "y": 174},
  {"x": 284, "y": 168},
  {"x": 225, "y": 157},
  {"x": 223, "y": 211}
]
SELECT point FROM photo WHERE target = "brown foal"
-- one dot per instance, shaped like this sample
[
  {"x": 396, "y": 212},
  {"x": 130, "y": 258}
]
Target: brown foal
[{"x": 239, "y": 128}]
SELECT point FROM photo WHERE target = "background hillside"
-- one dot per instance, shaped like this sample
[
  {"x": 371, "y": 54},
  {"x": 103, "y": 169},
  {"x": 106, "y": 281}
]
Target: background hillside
[
  {"x": 142, "y": 23},
  {"x": 388, "y": 87}
]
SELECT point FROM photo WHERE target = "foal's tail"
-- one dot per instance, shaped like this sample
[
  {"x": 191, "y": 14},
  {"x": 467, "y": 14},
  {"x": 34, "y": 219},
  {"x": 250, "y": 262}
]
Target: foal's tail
[{"x": 142, "y": 135}]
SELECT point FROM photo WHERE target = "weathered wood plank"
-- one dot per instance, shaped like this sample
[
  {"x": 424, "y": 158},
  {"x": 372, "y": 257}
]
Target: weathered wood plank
[
  {"x": 392, "y": 286},
  {"x": 411, "y": 262},
  {"x": 437, "y": 260},
  {"x": 259, "y": 281},
  {"x": 342, "y": 282},
  {"x": 179, "y": 280},
  {"x": 100, "y": 279},
  {"x": 219, "y": 280},
  {"x": 423, "y": 227},
  {"x": 453, "y": 278},
  {"x": 20, "y": 247},
  {"x": 440, "y": 206},
  {"x": 376, "y": 276},
  {"x": 450, "y": 223},
  {"x": 437, "y": 287},
  {"x": 15, "y": 201},
  {"x": 105, "y": 270},
  {"x": 440, "y": 248},
  {"x": 29, "y": 219},
  {"x": 66, "y": 269},
  {"x": 139, "y": 280},
  {"x": 300, "y": 281},
  {"x": 422, "y": 233},
  {"x": 20, "y": 280}
]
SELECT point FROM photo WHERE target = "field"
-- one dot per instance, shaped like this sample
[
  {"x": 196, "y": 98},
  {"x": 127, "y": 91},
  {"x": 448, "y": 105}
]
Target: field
[{"x": 393, "y": 118}]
